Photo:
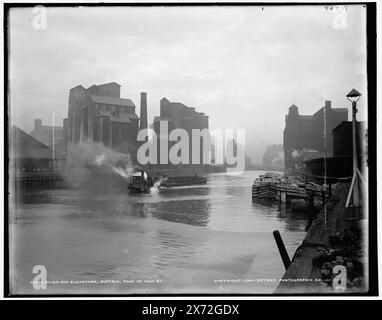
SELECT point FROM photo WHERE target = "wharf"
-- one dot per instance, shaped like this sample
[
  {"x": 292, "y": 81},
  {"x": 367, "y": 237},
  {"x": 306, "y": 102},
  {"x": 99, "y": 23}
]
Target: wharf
[{"x": 302, "y": 277}]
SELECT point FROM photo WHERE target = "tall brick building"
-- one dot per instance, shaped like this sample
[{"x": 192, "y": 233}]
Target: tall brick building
[
  {"x": 304, "y": 135},
  {"x": 99, "y": 114}
]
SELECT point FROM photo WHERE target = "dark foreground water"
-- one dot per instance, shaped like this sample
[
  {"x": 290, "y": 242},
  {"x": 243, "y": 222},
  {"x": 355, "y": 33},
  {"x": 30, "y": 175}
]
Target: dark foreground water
[{"x": 209, "y": 239}]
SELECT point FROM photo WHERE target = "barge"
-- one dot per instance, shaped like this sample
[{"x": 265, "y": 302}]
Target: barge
[
  {"x": 142, "y": 183},
  {"x": 181, "y": 181},
  {"x": 278, "y": 187},
  {"x": 264, "y": 186}
]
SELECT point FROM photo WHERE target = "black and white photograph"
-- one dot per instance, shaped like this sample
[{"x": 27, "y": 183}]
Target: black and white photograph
[{"x": 190, "y": 149}]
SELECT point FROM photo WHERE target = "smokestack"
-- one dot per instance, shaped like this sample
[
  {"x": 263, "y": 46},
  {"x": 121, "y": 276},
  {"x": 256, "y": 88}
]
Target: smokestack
[{"x": 143, "y": 121}]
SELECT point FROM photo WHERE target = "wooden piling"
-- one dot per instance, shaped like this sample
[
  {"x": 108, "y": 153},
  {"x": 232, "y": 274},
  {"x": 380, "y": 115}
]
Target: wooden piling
[
  {"x": 283, "y": 197},
  {"x": 323, "y": 195},
  {"x": 330, "y": 190},
  {"x": 283, "y": 252}
]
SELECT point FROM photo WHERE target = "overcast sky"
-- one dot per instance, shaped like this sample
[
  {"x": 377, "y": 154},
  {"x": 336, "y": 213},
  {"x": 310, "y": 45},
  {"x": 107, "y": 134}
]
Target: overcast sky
[{"x": 242, "y": 66}]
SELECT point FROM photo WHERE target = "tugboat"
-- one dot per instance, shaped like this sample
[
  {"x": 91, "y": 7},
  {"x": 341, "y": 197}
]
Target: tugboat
[
  {"x": 140, "y": 183},
  {"x": 169, "y": 182},
  {"x": 264, "y": 186}
]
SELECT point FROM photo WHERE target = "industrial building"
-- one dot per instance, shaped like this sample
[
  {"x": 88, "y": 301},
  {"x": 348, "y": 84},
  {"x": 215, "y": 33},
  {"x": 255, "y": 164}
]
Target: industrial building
[
  {"x": 179, "y": 116},
  {"x": 309, "y": 136},
  {"x": 99, "y": 114}
]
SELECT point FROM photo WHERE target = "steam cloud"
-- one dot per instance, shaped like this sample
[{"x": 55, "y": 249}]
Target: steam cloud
[
  {"x": 279, "y": 160},
  {"x": 84, "y": 158}
]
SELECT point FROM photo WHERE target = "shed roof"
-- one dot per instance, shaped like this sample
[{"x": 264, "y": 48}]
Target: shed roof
[{"x": 23, "y": 145}]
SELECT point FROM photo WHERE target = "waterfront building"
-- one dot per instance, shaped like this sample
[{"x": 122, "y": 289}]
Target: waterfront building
[
  {"x": 27, "y": 154},
  {"x": 99, "y": 114},
  {"x": 342, "y": 142},
  {"x": 47, "y": 135},
  {"x": 304, "y": 136},
  {"x": 340, "y": 165}
]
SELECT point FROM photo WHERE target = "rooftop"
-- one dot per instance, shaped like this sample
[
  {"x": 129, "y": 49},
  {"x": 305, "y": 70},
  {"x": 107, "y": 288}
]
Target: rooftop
[
  {"x": 157, "y": 119},
  {"x": 112, "y": 101},
  {"x": 25, "y": 146},
  {"x": 105, "y": 84}
]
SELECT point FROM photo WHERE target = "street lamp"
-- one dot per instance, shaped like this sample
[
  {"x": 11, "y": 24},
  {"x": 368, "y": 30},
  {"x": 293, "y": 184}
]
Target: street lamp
[
  {"x": 353, "y": 96},
  {"x": 54, "y": 113}
]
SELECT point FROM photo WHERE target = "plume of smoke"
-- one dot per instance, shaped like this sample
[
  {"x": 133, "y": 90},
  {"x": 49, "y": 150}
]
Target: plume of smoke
[
  {"x": 125, "y": 172},
  {"x": 99, "y": 159},
  {"x": 279, "y": 160},
  {"x": 295, "y": 154},
  {"x": 155, "y": 188},
  {"x": 86, "y": 159}
]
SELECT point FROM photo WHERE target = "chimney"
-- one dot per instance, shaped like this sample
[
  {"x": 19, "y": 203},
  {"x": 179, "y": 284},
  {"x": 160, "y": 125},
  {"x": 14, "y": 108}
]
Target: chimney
[
  {"x": 328, "y": 104},
  {"x": 37, "y": 123},
  {"x": 143, "y": 120}
]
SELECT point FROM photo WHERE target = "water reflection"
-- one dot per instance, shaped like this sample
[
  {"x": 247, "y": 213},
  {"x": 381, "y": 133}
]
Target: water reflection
[
  {"x": 224, "y": 203},
  {"x": 295, "y": 220},
  {"x": 194, "y": 212}
]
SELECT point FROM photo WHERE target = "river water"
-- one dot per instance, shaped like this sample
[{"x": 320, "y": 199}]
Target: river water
[{"x": 200, "y": 239}]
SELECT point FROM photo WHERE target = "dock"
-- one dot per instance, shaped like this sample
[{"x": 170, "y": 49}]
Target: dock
[{"x": 301, "y": 276}]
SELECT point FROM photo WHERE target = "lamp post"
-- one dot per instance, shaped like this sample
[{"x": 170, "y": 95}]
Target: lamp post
[
  {"x": 353, "y": 96},
  {"x": 54, "y": 113}
]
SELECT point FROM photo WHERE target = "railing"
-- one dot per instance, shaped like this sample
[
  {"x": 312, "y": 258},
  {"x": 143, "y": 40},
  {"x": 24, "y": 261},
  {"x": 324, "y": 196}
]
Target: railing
[{"x": 37, "y": 180}]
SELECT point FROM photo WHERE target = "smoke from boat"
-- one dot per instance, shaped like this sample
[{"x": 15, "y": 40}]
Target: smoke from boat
[{"x": 86, "y": 159}]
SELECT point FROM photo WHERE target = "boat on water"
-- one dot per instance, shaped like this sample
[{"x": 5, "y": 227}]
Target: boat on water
[
  {"x": 180, "y": 181},
  {"x": 264, "y": 186},
  {"x": 140, "y": 183}
]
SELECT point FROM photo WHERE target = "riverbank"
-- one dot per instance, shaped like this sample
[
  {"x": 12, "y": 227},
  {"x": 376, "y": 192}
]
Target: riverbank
[{"x": 332, "y": 240}]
